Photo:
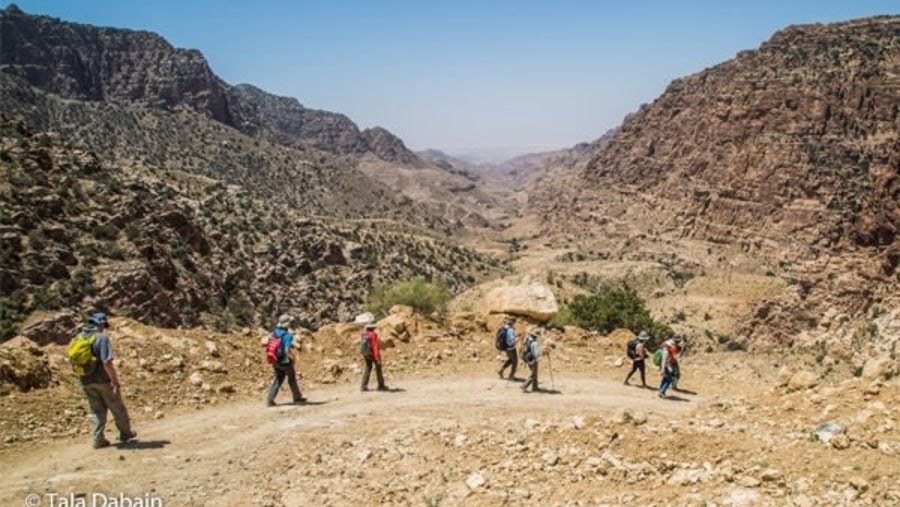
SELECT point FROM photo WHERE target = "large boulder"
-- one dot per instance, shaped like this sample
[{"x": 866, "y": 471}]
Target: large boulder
[
  {"x": 23, "y": 366},
  {"x": 45, "y": 328},
  {"x": 533, "y": 300}
]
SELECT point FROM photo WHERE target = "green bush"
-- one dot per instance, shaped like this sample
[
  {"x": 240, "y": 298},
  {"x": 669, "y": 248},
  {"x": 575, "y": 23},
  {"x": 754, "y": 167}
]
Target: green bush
[
  {"x": 424, "y": 297},
  {"x": 611, "y": 310}
]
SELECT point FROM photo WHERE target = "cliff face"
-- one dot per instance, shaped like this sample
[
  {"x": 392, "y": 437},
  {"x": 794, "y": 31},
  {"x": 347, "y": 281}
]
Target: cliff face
[
  {"x": 90, "y": 63},
  {"x": 790, "y": 152}
]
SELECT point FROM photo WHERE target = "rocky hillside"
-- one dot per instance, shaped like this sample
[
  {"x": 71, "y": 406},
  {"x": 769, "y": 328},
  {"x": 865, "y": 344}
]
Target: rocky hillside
[
  {"x": 788, "y": 154},
  {"x": 90, "y": 63},
  {"x": 179, "y": 248}
]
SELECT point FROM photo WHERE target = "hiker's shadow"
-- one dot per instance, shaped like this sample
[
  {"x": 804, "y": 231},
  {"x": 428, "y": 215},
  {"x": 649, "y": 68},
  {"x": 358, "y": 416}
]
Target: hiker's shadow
[
  {"x": 548, "y": 391},
  {"x": 310, "y": 403},
  {"x": 393, "y": 390},
  {"x": 143, "y": 444},
  {"x": 685, "y": 391},
  {"x": 676, "y": 398}
]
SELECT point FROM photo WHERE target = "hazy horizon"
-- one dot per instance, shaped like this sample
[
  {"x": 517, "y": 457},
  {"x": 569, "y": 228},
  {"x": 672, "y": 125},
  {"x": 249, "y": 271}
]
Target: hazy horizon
[{"x": 486, "y": 79}]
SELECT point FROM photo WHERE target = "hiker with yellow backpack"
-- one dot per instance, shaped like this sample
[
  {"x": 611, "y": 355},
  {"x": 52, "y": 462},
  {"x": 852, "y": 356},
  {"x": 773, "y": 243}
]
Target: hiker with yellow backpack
[{"x": 91, "y": 357}]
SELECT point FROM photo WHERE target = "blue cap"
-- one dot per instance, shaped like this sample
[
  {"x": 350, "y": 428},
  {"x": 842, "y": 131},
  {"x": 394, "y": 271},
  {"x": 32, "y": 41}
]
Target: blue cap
[{"x": 98, "y": 318}]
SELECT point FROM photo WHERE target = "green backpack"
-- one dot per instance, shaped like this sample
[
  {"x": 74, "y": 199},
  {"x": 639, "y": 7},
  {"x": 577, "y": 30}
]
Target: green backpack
[
  {"x": 657, "y": 357},
  {"x": 80, "y": 354}
]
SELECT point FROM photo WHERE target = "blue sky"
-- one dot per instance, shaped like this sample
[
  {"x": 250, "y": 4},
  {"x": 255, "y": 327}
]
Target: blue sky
[{"x": 488, "y": 77}]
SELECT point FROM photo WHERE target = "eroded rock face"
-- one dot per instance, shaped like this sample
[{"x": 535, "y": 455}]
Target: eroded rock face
[
  {"x": 789, "y": 153},
  {"x": 90, "y": 63}
]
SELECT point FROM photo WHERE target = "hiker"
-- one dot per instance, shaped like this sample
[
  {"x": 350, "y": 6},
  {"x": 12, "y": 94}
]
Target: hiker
[
  {"x": 512, "y": 359},
  {"x": 370, "y": 348},
  {"x": 670, "y": 351},
  {"x": 282, "y": 341},
  {"x": 637, "y": 352},
  {"x": 531, "y": 352},
  {"x": 92, "y": 359}
]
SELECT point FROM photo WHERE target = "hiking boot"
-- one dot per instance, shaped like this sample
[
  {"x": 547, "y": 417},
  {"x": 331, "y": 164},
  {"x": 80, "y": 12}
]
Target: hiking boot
[
  {"x": 300, "y": 400},
  {"x": 500, "y": 373},
  {"x": 124, "y": 437},
  {"x": 383, "y": 388},
  {"x": 662, "y": 395},
  {"x": 363, "y": 389},
  {"x": 101, "y": 444}
]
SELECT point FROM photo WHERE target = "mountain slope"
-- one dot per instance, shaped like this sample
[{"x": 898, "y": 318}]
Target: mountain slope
[
  {"x": 91, "y": 63},
  {"x": 788, "y": 155}
]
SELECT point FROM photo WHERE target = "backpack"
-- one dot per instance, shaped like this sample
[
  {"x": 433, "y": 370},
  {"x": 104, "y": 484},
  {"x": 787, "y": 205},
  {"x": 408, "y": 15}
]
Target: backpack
[
  {"x": 657, "y": 357},
  {"x": 526, "y": 354},
  {"x": 500, "y": 339},
  {"x": 631, "y": 349},
  {"x": 364, "y": 348},
  {"x": 80, "y": 354},
  {"x": 275, "y": 349}
]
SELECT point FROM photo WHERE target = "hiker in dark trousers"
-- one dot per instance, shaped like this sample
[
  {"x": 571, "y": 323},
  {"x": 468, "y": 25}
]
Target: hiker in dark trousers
[
  {"x": 100, "y": 381},
  {"x": 531, "y": 353},
  {"x": 284, "y": 366},
  {"x": 637, "y": 352},
  {"x": 512, "y": 359},
  {"x": 370, "y": 349}
]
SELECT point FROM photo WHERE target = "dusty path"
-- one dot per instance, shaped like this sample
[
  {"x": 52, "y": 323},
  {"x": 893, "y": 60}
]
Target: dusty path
[{"x": 246, "y": 454}]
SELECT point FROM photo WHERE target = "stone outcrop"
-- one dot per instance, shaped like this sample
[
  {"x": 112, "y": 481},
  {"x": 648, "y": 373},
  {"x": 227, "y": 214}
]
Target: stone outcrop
[{"x": 534, "y": 301}]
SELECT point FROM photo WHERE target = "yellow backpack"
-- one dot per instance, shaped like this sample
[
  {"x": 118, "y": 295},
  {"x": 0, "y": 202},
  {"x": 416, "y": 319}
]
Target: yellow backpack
[{"x": 80, "y": 354}]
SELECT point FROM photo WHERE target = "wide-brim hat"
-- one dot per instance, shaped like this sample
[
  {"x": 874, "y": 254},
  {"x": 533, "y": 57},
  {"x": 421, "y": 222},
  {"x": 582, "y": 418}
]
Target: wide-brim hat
[
  {"x": 643, "y": 336},
  {"x": 285, "y": 320},
  {"x": 371, "y": 325}
]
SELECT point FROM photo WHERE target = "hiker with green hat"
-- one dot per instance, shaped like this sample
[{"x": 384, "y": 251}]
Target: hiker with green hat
[{"x": 91, "y": 357}]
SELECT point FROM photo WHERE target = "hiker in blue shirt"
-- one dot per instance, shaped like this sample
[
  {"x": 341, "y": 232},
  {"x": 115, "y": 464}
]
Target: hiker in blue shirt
[
  {"x": 283, "y": 367},
  {"x": 99, "y": 379},
  {"x": 512, "y": 359}
]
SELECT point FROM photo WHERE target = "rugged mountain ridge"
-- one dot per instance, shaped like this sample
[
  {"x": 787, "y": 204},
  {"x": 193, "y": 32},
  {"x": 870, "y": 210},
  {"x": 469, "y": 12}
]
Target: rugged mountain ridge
[
  {"x": 183, "y": 249},
  {"x": 89, "y": 63},
  {"x": 791, "y": 153}
]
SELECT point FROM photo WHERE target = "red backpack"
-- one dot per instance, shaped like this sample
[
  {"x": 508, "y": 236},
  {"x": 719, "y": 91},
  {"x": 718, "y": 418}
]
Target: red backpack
[{"x": 274, "y": 349}]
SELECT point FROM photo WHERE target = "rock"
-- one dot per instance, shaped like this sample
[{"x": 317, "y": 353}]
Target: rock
[
  {"x": 803, "y": 380},
  {"x": 551, "y": 458},
  {"x": 859, "y": 484},
  {"x": 51, "y": 327},
  {"x": 784, "y": 376},
  {"x": 212, "y": 366},
  {"x": 475, "y": 481},
  {"x": 226, "y": 388},
  {"x": 827, "y": 431},
  {"x": 211, "y": 348},
  {"x": 578, "y": 422},
  {"x": 534, "y": 300},
  {"x": 874, "y": 388},
  {"x": 880, "y": 368},
  {"x": 840, "y": 442},
  {"x": 196, "y": 378},
  {"x": 770, "y": 475}
]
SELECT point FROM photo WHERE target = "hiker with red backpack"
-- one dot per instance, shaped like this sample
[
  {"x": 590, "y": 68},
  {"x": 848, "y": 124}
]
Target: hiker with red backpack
[
  {"x": 92, "y": 360},
  {"x": 280, "y": 354},
  {"x": 637, "y": 352},
  {"x": 370, "y": 348},
  {"x": 669, "y": 352}
]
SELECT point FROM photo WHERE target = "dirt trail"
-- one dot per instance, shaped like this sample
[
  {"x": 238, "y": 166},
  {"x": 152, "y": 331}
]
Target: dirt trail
[{"x": 226, "y": 455}]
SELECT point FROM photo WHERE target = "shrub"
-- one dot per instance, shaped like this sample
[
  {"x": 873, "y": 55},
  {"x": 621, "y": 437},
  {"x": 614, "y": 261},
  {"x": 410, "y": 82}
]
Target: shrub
[
  {"x": 423, "y": 296},
  {"x": 614, "y": 309}
]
